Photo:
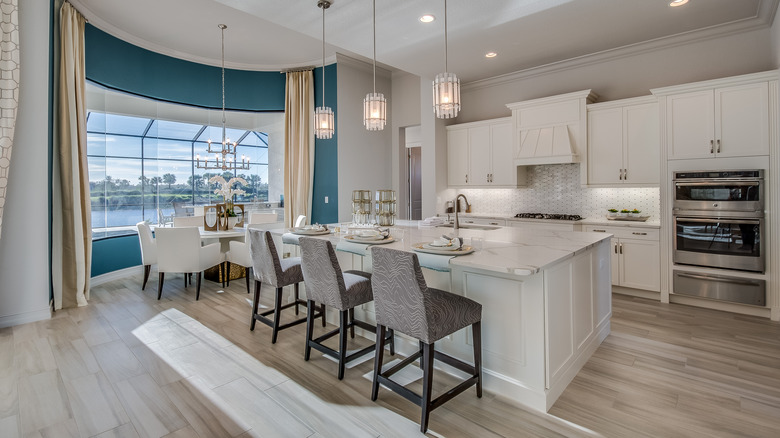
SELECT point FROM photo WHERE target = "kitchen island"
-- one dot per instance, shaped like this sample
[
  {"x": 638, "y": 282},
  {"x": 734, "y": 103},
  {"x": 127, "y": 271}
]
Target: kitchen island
[{"x": 545, "y": 296}]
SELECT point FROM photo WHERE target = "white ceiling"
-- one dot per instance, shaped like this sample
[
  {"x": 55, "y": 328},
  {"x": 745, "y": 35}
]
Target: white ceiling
[{"x": 279, "y": 34}]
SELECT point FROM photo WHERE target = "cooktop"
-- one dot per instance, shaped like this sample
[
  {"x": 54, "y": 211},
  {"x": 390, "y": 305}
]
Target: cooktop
[{"x": 552, "y": 216}]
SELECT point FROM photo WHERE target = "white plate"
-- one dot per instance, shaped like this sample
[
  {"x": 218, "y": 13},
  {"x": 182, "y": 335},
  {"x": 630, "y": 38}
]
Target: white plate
[
  {"x": 451, "y": 247},
  {"x": 372, "y": 241},
  {"x": 310, "y": 231},
  {"x": 420, "y": 247}
]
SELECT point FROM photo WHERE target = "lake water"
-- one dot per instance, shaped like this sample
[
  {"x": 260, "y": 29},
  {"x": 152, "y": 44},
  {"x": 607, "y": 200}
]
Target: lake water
[{"x": 119, "y": 218}]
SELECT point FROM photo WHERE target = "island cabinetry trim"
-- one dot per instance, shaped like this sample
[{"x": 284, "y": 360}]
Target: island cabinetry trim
[{"x": 635, "y": 256}]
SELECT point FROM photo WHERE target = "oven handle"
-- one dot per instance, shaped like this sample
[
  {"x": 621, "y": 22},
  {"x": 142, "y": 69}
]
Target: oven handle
[
  {"x": 733, "y": 182},
  {"x": 720, "y": 219},
  {"x": 721, "y": 279}
]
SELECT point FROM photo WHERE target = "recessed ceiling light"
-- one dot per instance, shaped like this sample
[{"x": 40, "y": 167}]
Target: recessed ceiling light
[
  {"x": 491, "y": 54},
  {"x": 675, "y": 3},
  {"x": 427, "y": 18}
]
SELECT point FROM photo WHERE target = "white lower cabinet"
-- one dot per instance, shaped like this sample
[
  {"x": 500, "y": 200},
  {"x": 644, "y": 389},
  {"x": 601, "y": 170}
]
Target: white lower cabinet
[{"x": 635, "y": 256}]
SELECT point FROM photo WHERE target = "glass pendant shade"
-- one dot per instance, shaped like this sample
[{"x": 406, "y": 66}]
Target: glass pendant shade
[
  {"x": 374, "y": 111},
  {"x": 323, "y": 122},
  {"x": 446, "y": 95}
]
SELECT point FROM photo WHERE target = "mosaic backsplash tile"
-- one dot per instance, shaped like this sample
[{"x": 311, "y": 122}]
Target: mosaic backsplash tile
[{"x": 556, "y": 189}]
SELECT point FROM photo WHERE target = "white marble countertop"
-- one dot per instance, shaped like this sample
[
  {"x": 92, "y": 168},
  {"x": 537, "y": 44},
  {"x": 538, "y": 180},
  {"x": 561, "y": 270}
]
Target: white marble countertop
[
  {"x": 651, "y": 223},
  {"x": 506, "y": 250}
]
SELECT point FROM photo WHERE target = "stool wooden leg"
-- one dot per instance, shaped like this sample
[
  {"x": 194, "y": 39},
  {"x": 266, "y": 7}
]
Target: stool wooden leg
[
  {"x": 392, "y": 342},
  {"x": 343, "y": 323},
  {"x": 277, "y": 313},
  {"x": 427, "y": 386},
  {"x": 422, "y": 362},
  {"x": 248, "y": 274},
  {"x": 309, "y": 328},
  {"x": 255, "y": 303},
  {"x": 227, "y": 274},
  {"x": 147, "y": 270},
  {"x": 352, "y": 321},
  {"x": 380, "y": 349},
  {"x": 322, "y": 309},
  {"x": 197, "y": 288},
  {"x": 476, "y": 333},
  {"x": 296, "y": 298}
]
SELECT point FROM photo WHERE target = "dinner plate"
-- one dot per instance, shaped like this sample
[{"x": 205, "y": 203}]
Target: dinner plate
[
  {"x": 372, "y": 241},
  {"x": 310, "y": 231},
  {"x": 421, "y": 247},
  {"x": 451, "y": 247}
]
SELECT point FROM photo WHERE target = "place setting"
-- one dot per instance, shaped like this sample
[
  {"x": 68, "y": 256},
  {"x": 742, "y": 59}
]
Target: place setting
[
  {"x": 444, "y": 245},
  {"x": 311, "y": 230},
  {"x": 377, "y": 236}
]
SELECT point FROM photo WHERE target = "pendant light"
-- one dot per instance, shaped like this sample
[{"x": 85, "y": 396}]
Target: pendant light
[
  {"x": 323, "y": 115},
  {"x": 375, "y": 104},
  {"x": 446, "y": 86}
]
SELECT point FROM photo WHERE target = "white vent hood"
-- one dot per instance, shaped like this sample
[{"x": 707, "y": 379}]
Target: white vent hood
[{"x": 552, "y": 130}]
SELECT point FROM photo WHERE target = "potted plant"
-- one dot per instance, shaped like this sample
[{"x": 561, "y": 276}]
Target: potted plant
[
  {"x": 612, "y": 212},
  {"x": 635, "y": 213},
  {"x": 624, "y": 212}
]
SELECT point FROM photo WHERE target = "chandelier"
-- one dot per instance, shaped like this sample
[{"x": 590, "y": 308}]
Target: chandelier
[
  {"x": 224, "y": 157},
  {"x": 446, "y": 86},
  {"x": 323, "y": 115},
  {"x": 375, "y": 104}
]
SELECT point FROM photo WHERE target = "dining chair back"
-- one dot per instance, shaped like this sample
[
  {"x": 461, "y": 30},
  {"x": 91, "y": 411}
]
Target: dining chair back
[
  {"x": 301, "y": 221},
  {"x": 148, "y": 249},
  {"x": 179, "y": 210},
  {"x": 188, "y": 221},
  {"x": 179, "y": 251},
  {"x": 163, "y": 219}
]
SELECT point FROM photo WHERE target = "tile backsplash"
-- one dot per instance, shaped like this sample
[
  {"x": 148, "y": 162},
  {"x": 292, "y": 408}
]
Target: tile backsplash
[{"x": 556, "y": 189}]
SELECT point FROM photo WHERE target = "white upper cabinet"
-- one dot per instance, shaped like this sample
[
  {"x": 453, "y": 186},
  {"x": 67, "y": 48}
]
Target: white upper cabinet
[
  {"x": 624, "y": 143},
  {"x": 720, "y": 118},
  {"x": 479, "y": 154}
]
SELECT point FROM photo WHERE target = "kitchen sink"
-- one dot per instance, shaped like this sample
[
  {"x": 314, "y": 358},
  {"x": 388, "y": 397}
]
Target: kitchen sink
[{"x": 471, "y": 226}]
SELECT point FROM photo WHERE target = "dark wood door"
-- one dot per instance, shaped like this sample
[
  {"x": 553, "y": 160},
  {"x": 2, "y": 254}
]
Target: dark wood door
[{"x": 415, "y": 183}]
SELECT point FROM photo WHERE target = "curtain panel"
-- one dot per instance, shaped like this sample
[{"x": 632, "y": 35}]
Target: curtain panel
[
  {"x": 298, "y": 145},
  {"x": 9, "y": 90},
  {"x": 72, "y": 223}
]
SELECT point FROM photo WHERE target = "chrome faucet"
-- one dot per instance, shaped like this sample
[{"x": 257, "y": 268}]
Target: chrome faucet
[{"x": 457, "y": 224}]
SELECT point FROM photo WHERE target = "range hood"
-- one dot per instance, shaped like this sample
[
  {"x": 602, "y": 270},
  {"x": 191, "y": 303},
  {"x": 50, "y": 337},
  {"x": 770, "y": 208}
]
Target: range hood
[{"x": 552, "y": 130}]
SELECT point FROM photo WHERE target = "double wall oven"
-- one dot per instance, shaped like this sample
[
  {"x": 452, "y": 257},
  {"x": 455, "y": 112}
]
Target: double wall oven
[{"x": 719, "y": 223}]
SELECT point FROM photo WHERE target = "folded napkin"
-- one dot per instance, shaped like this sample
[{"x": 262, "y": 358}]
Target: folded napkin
[
  {"x": 432, "y": 221},
  {"x": 291, "y": 238}
]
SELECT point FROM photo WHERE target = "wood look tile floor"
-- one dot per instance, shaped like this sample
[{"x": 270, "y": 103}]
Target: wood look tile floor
[{"x": 128, "y": 365}]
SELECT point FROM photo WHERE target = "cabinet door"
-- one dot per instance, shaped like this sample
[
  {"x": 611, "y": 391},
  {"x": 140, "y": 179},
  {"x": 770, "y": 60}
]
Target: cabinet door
[
  {"x": 642, "y": 139},
  {"x": 479, "y": 147},
  {"x": 690, "y": 121},
  {"x": 503, "y": 167},
  {"x": 742, "y": 120},
  {"x": 605, "y": 146},
  {"x": 615, "y": 261},
  {"x": 458, "y": 157},
  {"x": 640, "y": 264}
]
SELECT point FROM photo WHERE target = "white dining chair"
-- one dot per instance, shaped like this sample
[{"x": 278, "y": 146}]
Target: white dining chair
[
  {"x": 301, "y": 221},
  {"x": 188, "y": 221},
  {"x": 148, "y": 249},
  {"x": 179, "y": 251},
  {"x": 262, "y": 218},
  {"x": 239, "y": 255}
]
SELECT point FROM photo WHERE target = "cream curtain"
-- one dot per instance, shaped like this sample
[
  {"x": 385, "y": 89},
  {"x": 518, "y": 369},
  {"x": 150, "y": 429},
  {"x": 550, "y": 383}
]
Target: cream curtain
[
  {"x": 298, "y": 145},
  {"x": 9, "y": 90},
  {"x": 72, "y": 224}
]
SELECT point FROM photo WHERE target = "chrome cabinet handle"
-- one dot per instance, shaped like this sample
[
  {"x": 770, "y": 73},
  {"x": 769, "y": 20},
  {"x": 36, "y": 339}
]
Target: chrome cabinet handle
[
  {"x": 639, "y": 234},
  {"x": 616, "y": 245},
  {"x": 620, "y": 174},
  {"x": 718, "y": 145},
  {"x": 599, "y": 231},
  {"x": 625, "y": 174},
  {"x": 621, "y": 248},
  {"x": 467, "y": 177},
  {"x": 712, "y": 146}
]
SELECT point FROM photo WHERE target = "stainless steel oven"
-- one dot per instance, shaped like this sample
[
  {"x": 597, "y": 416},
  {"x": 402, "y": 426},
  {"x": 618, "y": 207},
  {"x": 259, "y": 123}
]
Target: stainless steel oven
[
  {"x": 738, "y": 192},
  {"x": 719, "y": 242}
]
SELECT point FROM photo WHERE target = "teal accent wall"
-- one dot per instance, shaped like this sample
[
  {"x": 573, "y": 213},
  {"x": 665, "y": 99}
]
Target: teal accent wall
[
  {"x": 122, "y": 66},
  {"x": 115, "y": 253},
  {"x": 326, "y": 182}
]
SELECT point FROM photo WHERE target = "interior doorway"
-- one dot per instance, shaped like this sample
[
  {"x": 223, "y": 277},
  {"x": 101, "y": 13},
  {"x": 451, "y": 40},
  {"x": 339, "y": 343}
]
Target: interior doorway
[{"x": 414, "y": 164}]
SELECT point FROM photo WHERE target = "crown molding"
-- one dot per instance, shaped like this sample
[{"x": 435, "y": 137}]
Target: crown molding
[
  {"x": 764, "y": 76},
  {"x": 763, "y": 19},
  {"x": 362, "y": 65}
]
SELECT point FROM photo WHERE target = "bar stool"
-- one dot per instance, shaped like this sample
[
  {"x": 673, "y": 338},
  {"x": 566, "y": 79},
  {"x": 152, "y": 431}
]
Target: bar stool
[
  {"x": 326, "y": 283},
  {"x": 403, "y": 302},
  {"x": 269, "y": 269}
]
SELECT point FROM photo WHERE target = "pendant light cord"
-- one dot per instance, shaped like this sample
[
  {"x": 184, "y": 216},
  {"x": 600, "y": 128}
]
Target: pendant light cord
[
  {"x": 324, "y": 6},
  {"x": 445, "y": 38},
  {"x": 374, "y": 15},
  {"x": 224, "y": 138}
]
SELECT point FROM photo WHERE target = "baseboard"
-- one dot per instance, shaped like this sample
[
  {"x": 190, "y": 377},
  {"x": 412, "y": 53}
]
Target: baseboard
[
  {"x": 639, "y": 293},
  {"x": 24, "y": 318},
  {"x": 116, "y": 275}
]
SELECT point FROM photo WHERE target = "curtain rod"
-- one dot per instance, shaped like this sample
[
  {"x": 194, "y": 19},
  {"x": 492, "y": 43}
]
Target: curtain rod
[{"x": 292, "y": 70}]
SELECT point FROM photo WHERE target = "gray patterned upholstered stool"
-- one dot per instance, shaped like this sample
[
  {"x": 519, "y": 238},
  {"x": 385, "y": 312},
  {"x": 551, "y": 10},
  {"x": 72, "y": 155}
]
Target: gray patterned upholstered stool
[
  {"x": 327, "y": 284},
  {"x": 270, "y": 269},
  {"x": 403, "y": 302}
]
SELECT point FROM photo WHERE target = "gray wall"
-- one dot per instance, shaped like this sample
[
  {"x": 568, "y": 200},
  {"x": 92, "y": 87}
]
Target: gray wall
[
  {"x": 363, "y": 156},
  {"x": 24, "y": 245},
  {"x": 776, "y": 39},
  {"x": 406, "y": 112}
]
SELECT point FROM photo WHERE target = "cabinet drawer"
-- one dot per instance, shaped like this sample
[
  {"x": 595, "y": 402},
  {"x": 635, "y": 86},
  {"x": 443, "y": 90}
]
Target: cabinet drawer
[
  {"x": 626, "y": 232},
  {"x": 482, "y": 221}
]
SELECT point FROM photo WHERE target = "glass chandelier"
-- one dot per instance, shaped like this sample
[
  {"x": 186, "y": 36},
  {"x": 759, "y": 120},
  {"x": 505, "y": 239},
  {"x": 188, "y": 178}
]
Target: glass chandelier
[
  {"x": 375, "y": 104},
  {"x": 446, "y": 86},
  {"x": 323, "y": 115},
  {"x": 225, "y": 157}
]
